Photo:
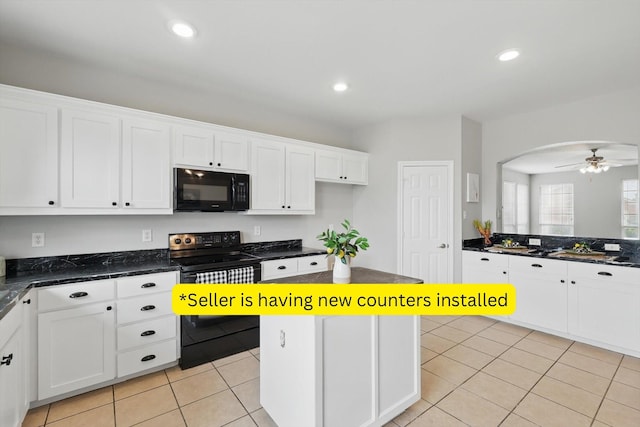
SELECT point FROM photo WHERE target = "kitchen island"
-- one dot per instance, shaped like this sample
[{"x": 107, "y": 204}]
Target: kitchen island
[{"x": 334, "y": 371}]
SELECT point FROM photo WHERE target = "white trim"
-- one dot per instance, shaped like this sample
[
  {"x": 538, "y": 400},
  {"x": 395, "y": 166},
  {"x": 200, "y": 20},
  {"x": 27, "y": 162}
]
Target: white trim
[{"x": 450, "y": 166}]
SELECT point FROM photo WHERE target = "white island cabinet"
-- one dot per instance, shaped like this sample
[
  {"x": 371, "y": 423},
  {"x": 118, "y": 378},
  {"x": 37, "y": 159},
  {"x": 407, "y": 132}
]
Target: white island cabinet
[{"x": 334, "y": 371}]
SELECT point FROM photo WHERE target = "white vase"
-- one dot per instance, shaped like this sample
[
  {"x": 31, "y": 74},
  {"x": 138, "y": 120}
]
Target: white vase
[{"x": 341, "y": 271}]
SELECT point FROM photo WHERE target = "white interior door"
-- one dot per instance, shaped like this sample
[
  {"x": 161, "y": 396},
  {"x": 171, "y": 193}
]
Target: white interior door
[{"x": 426, "y": 220}]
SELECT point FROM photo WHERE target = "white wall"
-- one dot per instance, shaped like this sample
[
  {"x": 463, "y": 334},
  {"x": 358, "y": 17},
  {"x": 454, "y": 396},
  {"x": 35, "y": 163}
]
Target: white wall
[
  {"x": 64, "y": 76},
  {"x": 611, "y": 117},
  {"x": 91, "y": 234},
  {"x": 375, "y": 206},
  {"x": 597, "y": 200},
  {"x": 471, "y": 163}
]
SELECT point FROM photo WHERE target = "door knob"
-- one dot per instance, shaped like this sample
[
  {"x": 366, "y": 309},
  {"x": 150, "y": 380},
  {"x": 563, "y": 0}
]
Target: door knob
[{"x": 443, "y": 246}]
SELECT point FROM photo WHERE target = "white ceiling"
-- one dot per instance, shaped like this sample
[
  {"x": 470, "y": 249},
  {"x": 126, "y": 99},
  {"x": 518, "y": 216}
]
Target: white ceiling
[
  {"x": 566, "y": 157},
  {"x": 401, "y": 58}
]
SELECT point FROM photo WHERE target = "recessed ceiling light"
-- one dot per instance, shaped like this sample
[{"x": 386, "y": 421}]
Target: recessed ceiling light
[
  {"x": 340, "y": 87},
  {"x": 508, "y": 55},
  {"x": 182, "y": 29}
]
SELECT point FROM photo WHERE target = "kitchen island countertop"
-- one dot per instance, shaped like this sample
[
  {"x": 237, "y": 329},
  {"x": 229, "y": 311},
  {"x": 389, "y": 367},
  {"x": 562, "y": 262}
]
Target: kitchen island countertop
[{"x": 358, "y": 275}]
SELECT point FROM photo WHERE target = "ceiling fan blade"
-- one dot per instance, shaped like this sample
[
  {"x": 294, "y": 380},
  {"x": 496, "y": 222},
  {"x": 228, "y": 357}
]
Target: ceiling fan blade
[{"x": 569, "y": 165}]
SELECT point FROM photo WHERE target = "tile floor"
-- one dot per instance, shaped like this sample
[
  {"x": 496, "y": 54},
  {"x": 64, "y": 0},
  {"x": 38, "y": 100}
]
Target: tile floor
[{"x": 475, "y": 371}]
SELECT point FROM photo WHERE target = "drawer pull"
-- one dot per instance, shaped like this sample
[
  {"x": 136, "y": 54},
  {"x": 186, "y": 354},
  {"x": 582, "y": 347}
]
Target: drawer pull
[
  {"x": 78, "y": 295},
  {"x": 536, "y": 265},
  {"x": 148, "y": 358},
  {"x": 6, "y": 360},
  {"x": 148, "y": 307},
  {"x": 282, "y": 267},
  {"x": 604, "y": 273},
  {"x": 148, "y": 285},
  {"x": 314, "y": 263},
  {"x": 561, "y": 280},
  {"x": 148, "y": 333},
  {"x": 484, "y": 259}
]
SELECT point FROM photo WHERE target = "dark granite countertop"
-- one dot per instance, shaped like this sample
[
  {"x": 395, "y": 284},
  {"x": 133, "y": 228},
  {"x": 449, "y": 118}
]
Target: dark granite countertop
[
  {"x": 609, "y": 259},
  {"x": 15, "y": 286},
  {"x": 358, "y": 275},
  {"x": 24, "y": 274}
]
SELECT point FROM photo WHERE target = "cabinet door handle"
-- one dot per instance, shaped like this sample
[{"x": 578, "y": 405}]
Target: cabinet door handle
[
  {"x": 148, "y": 285},
  {"x": 282, "y": 338},
  {"x": 282, "y": 267},
  {"x": 51, "y": 202},
  {"x": 6, "y": 360},
  {"x": 573, "y": 282},
  {"x": 148, "y": 333},
  {"x": 504, "y": 272},
  {"x": 536, "y": 265},
  {"x": 313, "y": 263},
  {"x": 561, "y": 280},
  {"x": 114, "y": 204},
  {"x": 210, "y": 163},
  {"x": 78, "y": 295},
  {"x": 148, "y": 307},
  {"x": 27, "y": 301},
  {"x": 219, "y": 164},
  {"x": 604, "y": 273},
  {"x": 148, "y": 358},
  {"x": 127, "y": 204},
  {"x": 484, "y": 259}
]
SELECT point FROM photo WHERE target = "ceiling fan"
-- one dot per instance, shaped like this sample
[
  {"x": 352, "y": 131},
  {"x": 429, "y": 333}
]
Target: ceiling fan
[{"x": 594, "y": 163}]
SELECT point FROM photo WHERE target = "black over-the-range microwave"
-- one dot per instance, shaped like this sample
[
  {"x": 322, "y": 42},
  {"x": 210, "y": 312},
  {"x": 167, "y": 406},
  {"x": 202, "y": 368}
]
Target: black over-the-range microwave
[{"x": 209, "y": 191}]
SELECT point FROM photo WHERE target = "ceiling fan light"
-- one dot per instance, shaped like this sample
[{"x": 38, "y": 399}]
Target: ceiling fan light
[
  {"x": 605, "y": 168},
  {"x": 583, "y": 170}
]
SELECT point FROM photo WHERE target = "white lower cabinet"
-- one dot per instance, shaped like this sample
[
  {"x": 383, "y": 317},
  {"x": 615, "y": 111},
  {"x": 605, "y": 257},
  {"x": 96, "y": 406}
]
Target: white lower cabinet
[
  {"x": 92, "y": 332},
  {"x": 337, "y": 371},
  {"x": 278, "y": 268},
  {"x": 595, "y": 303},
  {"x": 75, "y": 348},
  {"x": 541, "y": 291},
  {"x": 14, "y": 362},
  {"x": 604, "y": 304},
  {"x": 481, "y": 267},
  {"x": 147, "y": 328}
]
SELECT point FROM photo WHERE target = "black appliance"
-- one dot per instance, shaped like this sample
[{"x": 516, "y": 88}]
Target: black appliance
[
  {"x": 207, "y": 338},
  {"x": 208, "y": 191}
]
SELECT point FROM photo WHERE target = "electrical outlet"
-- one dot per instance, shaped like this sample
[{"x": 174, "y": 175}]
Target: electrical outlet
[
  {"x": 612, "y": 247},
  {"x": 535, "y": 242},
  {"x": 37, "y": 240},
  {"x": 257, "y": 230},
  {"x": 147, "y": 235}
]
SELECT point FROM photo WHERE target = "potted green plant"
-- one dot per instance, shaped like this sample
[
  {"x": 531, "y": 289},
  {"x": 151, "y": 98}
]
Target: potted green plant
[{"x": 344, "y": 246}]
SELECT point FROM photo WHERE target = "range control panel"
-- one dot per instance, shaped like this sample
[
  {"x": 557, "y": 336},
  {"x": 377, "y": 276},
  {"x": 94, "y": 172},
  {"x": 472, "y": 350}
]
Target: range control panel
[{"x": 216, "y": 239}]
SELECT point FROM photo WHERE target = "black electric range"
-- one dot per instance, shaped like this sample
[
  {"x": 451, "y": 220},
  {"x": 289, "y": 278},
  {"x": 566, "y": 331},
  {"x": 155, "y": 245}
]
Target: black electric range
[{"x": 200, "y": 255}]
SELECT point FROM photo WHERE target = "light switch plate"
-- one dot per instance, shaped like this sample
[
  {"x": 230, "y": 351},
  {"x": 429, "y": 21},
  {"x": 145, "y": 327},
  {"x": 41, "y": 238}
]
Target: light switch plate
[
  {"x": 611, "y": 247},
  {"x": 535, "y": 242},
  {"x": 257, "y": 230}
]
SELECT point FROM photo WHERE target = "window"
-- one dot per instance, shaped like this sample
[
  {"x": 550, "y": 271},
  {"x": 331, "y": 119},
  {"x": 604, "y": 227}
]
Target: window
[
  {"x": 515, "y": 208},
  {"x": 630, "y": 209},
  {"x": 556, "y": 209}
]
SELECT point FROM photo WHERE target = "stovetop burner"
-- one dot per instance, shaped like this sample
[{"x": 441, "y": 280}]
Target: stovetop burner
[{"x": 205, "y": 251}]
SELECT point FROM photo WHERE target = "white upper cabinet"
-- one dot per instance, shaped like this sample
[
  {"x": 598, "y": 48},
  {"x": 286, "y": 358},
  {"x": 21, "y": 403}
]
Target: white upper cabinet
[
  {"x": 231, "y": 152},
  {"x": 342, "y": 166},
  {"x": 28, "y": 154},
  {"x": 193, "y": 147},
  {"x": 267, "y": 175},
  {"x": 282, "y": 179},
  {"x": 90, "y": 159},
  {"x": 146, "y": 175},
  {"x": 114, "y": 164},
  {"x": 300, "y": 186},
  {"x": 206, "y": 148}
]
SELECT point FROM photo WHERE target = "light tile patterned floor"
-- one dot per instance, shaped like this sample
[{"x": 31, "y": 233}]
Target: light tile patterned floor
[{"x": 476, "y": 372}]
